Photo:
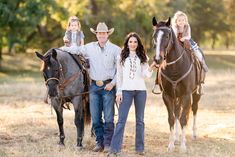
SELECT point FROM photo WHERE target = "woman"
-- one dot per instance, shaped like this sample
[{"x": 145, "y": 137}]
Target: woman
[{"x": 132, "y": 67}]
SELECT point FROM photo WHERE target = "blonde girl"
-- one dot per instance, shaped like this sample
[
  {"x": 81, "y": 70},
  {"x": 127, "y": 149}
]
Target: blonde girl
[
  {"x": 73, "y": 37},
  {"x": 182, "y": 31}
]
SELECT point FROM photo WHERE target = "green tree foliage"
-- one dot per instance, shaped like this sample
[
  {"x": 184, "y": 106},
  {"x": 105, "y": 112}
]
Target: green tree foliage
[
  {"x": 207, "y": 16},
  {"x": 22, "y": 21},
  {"x": 40, "y": 24}
]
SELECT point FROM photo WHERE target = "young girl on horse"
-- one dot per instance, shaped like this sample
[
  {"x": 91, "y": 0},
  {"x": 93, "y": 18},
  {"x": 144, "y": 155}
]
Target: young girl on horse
[
  {"x": 73, "y": 37},
  {"x": 182, "y": 31}
]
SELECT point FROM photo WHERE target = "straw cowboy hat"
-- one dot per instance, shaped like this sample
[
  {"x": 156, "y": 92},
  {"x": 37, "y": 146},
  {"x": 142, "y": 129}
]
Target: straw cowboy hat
[{"x": 102, "y": 27}]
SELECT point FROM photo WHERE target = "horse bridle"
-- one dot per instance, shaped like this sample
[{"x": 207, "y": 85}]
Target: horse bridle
[
  {"x": 170, "y": 41},
  {"x": 53, "y": 78}
]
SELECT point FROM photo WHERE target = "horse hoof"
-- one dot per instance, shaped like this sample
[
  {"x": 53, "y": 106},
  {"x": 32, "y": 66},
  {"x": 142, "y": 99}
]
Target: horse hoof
[
  {"x": 61, "y": 144},
  {"x": 177, "y": 142},
  {"x": 183, "y": 149},
  {"x": 170, "y": 148},
  {"x": 79, "y": 148}
]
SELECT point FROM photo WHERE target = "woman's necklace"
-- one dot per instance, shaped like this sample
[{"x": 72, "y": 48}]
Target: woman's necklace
[{"x": 133, "y": 67}]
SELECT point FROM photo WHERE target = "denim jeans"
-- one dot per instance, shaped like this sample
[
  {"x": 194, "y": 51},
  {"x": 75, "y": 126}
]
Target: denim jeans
[
  {"x": 102, "y": 101},
  {"x": 139, "y": 97}
]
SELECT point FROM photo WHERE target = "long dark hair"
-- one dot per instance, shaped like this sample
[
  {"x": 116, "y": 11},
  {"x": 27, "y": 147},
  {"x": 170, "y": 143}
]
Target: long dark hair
[{"x": 140, "y": 52}]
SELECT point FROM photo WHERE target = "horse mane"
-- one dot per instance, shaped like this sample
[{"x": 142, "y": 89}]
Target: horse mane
[{"x": 175, "y": 41}]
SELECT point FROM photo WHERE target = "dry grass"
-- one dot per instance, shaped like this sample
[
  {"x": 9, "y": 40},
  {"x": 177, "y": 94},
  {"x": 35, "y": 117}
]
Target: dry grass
[{"x": 28, "y": 129}]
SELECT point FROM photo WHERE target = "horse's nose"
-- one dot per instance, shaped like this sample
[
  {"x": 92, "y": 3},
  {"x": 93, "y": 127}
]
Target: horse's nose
[
  {"x": 158, "y": 61},
  {"x": 52, "y": 91}
]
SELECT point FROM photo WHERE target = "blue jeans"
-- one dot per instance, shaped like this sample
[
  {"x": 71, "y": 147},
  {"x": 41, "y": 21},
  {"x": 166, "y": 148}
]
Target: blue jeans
[
  {"x": 102, "y": 101},
  {"x": 139, "y": 97}
]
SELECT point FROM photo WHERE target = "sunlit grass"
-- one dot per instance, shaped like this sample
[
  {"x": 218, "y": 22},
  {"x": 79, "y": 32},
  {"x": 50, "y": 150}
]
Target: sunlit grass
[{"x": 28, "y": 129}]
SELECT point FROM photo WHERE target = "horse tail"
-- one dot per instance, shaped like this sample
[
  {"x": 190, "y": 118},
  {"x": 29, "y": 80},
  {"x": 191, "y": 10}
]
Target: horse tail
[
  {"x": 86, "y": 110},
  {"x": 86, "y": 107}
]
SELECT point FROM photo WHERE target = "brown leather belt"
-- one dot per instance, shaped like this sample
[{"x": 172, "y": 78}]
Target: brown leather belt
[{"x": 101, "y": 83}]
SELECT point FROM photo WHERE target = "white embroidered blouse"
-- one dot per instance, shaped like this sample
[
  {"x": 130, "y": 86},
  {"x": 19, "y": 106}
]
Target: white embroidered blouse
[{"x": 130, "y": 76}]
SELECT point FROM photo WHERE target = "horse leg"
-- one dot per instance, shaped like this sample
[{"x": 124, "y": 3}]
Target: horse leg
[
  {"x": 196, "y": 98},
  {"x": 59, "y": 113},
  {"x": 177, "y": 115},
  {"x": 171, "y": 119},
  {"x": 186, "y": 104},
  {"x": 79, "y": 120}
]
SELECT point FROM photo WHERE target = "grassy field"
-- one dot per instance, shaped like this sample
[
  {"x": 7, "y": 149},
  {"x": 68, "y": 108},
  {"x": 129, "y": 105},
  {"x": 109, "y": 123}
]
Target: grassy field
[{"x": 28, "y": 129}]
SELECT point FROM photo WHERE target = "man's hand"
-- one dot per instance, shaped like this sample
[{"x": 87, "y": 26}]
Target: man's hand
[{"x": 109, "y": 87}]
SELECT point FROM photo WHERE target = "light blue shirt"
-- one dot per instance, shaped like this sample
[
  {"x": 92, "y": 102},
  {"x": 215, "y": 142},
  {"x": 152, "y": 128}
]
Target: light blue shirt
[{"x": 103, "y": 61}]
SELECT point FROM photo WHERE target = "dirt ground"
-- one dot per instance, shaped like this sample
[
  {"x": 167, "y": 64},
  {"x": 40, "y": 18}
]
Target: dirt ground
[{"x": 29, "y": 129}]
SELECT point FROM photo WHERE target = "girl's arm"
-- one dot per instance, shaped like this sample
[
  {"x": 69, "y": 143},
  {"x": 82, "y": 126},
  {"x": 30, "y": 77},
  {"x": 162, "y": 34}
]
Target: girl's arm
[
  {"x": 188, "y": 36},
  {"x": 82, "y": 38}
]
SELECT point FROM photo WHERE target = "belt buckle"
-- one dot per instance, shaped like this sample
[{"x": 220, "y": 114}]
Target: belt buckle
[{"x": 99, "y": 83}]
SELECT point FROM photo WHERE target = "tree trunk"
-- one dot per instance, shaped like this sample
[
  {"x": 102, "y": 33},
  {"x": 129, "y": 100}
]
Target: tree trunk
[
  {"x": 214, "y": 37},
  {"x": 93, "y": 7},
  {"x": 227, "y": 42},
  {"x": 0, "y": 56}
]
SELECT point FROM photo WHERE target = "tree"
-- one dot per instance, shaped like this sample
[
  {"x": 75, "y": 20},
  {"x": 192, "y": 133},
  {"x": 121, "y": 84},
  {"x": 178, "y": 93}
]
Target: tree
[{"x": 207, "y": 16}]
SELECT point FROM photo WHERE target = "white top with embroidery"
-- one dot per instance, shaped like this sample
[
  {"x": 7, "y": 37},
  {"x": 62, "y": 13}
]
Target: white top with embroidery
[{"x": 130, "y": 76}]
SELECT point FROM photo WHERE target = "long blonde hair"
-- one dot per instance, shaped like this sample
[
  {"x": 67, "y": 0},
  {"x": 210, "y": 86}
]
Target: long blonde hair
[
  {"x": 177, "y": 15},
  {"x": 73, "y": 19}
]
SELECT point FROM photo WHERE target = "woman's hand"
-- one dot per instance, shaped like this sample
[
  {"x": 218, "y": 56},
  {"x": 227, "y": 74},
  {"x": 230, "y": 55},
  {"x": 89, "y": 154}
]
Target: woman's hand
[
  {"x": 119, "y": 99},
  {"x": 153, "y": 66}
]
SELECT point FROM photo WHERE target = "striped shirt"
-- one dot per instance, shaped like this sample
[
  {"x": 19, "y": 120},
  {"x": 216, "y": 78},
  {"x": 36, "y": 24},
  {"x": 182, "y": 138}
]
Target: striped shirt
[{"x": 102, "y": 61}]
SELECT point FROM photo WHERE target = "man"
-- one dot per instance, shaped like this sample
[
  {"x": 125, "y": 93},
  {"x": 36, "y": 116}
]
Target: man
[{"x": 102, "y": 56}]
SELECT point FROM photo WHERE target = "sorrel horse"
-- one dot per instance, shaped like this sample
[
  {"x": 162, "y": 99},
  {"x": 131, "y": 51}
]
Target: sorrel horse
[
  {"x": 177, "y": 77},
  {"x": 66, "y": 81}
]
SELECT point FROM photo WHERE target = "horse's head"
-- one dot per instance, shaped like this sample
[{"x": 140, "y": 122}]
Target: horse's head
[
  {"x": 51, "y": 71},
  {"x": 162, "y": 38}
]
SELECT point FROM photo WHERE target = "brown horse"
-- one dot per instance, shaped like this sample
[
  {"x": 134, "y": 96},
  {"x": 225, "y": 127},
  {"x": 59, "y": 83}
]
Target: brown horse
[{"x": 177, "y": 77}]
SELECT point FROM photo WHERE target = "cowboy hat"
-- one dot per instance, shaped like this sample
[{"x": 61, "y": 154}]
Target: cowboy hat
[{"x": 102, "y": 27}]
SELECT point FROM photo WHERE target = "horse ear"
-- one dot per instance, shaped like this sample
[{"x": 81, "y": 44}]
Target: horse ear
[
  {"x": 54, "y": 53},
  {"x": 40, "y": 56},
  {"x": 154, "y": 21},
  {"x": 168, "y": 23}
]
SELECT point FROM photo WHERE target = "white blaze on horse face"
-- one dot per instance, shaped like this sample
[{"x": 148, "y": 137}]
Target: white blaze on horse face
[{"x": 159, "y": 38}]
